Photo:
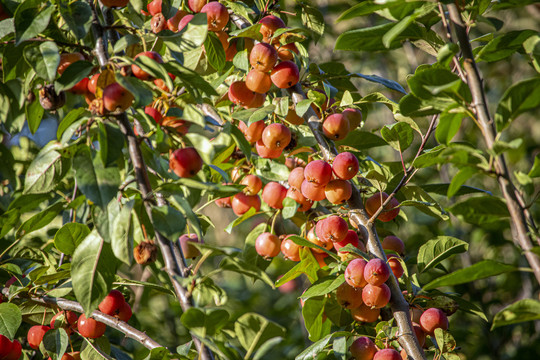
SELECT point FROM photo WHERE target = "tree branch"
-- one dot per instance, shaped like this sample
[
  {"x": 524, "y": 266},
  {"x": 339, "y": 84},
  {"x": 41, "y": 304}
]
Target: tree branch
[
  {"x": 514, "y": 199},
  {"x": 110, "y": 321}
]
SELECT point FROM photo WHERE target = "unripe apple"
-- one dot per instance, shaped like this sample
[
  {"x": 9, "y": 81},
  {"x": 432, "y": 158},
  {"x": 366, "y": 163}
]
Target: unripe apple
[
  {"x": 273, "y": 194},
  {"x": 186, "y": 241},
  {"x": 312, "y": 191},
  {"x": 253, "y": 132},
  {"x": 296, "y": 177},
  {"x": 354, "y": 116},
  {"x": 253, "y": 184},
  {"x": 90, "y": 328},
  {"x": 276, "y": 136},
  {"x": 348, "y": 297},
  {"x": 296, "y": 195},
  {"x": 432, "y": 319},
  {"x": 376, "y": 272},
  {"x": 267, "y": 245},
  {"x": 345, "y": 166},
  {"x": 140, "y": 73},
  {"x": 338, "y": 191},
  {"x": 376, "y": 296},
  {"x": 112, "y": 303},
  {"x": 217, "y": 15},
  {"x": 364, "y": 313},
  {"x": 116, "y": 98},
  {"x": 354, "y": 273},
  {"x": 269, "y": 24},
  {"x": 241, "y": 203},
  {"x": 185, "y": 162},
  {"x": 290, "y": 250},
  {"x": 196, "y": 5},
  {"x": 258, "y": 81},
  {"x": 267, "y": 153},
  {"x": 332, "y": 229},
  {"x": 318, "y": 172},
  {"x": 35, "y": 335},
  {"x": 336, "y": 127},
  {"x": 263, "y": 57},
  {"x": 387, "y": 354},
  {"x": 240, "y": 94},
  {"x": 114, "y": 3},
  {"x": 285, "y": 74},
  {"x": 393, "y": 243},
  {"x": 375, "y": 202},
  {"x": 363, "y": 348}
]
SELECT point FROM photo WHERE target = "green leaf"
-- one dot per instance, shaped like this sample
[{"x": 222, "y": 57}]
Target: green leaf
[
  {"x": 271, "y": 170},
  {"x": 267, "y": 347},
  {"x": 252, "y": 32},
  {"x": 77, "y": 15},
  {"x": 41, "y": 219},
  {"x": 169, "y": 221},
  {"x": 362, "y": 140},
  {"x": 34, "y": 114},
  {"x": 423, "y": 201},
  {"x": 303, "y": 106},
  {"x": 249, "y": 254},
  {"x": 303, "y": 242},
  {"x": 445, "y": 341},
  {"x": 449, "y": 124},
  {"x": 191, "y": 37},
  {"x": 289, "y": 208},
  {"x": 141, "y": 93},
  {"x": 31, "y": 18},
  {"x": 205, "y": 322},
  {"x": 429, "y": 157},
  {"x": 51, "y": 58},
  {"x": 241, "y": 141},
  {"x": 121, "y": 242},
  {"x": 460, "y": 178},
  {"x": 504, "y": 46},
  {"x": 10, "y": 319},
  {"x": 480, "y": 210},
  {"x": 436, "y": 250},
  {"x": 93, "y": 270},
  {"x": 313, "y": 19},
  {"x": 242, "y": 267},
  {"x": 442, "y": 189},
  {"x": 70, "y": 118},
  {"x": 55, "y": 343},
  {"x": 519, "y": 98},
  {"x": 364, "y": 8},
  {"x": 480, "y": 270},
  {"x": 447, "y": 53},
  {"x": 72, "y": 75},
  {"x": 314, "y": 320},
  {"x": 215, "y": 54},
  {"x": 397, "y": 29},
  {"x": 520, "y": 311},
  {"x": 46, "y": 170},
  {"x": 98, "y": 183},
  {"x": 391, "y": 84},
  {"x": 535, "y": 170},
  {"x": 253, "y": 330},
  {"x": 323, "y": 286},
  {"x": 314, "y": 349},
  {"x": 399, "y": 135}
]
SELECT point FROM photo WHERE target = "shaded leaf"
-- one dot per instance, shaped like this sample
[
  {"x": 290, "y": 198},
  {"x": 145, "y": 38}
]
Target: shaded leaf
[
  {"x": 520, "y": 311},
  {"x": 439, "y": 249}
]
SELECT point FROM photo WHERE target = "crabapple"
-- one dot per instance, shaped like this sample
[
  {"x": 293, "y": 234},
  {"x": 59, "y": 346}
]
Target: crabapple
[
  {"x": 67, "y": 59},
  {"x": 376, "y": 296},
  {"x": 273, "y": 194},
  {"x": 265, "y": 152},
  {"x": 240, "y": 94},
  {"x": 225, "y": 202},
  {"x": 69, "y": 321},
  {"x": 263, "y": 57},
  {"x": 253, "y": 132},
  {"x": 364, "y": 313},
  {"x": 296, "y": 195},
  {"x": 185, "y": 162},
  {"x": 112, "y": 303},
  {"x": 290, "y": 249},
  {"x": 196, "y": 5},
  {"x": 184, "y": 21},
  {"x": 390, "y": 211},
  {"x": 363, "y": 348},
  {"x": 258, "y": 81},
  {"x": 241, "y": 203},
  {"x": 350, "y": 238},
  {"x": 154, "y": 7},
  {"x": 16, "y": 351},
  {"x": 285, "y": 52},
  {"x": 285, "y": 74},
  {"x": 354, "y": 273},
  {"x": 332, "y": 229},
  {"x": 318, "y": 172},
  {"x": 395, "y": 266},
  {"x": 269, "y": 24},
  {"x": 348, "y": 297},
  {"x": 267, "y": 245},
  {"x": 180, "y": 126},
  {"x": 338, "y": 191},
  {"x": 433, "y": 318},
  {"x": 376, "y": 272},
  {"x": 174, "y": 22},
  {"x": 276, "y": 136},
  {"x": 336, "y": 127},
  {"x": 354, "y": 116},
  {"x": 312, "y": 237},
  {"x": 140, "y": 73},
  {"x": 258, "y": 101},
  {"x": 296, "y": 177},
  {"x": 35, "y": 335},
  {"x": 217, "y": 15},
  {"x": 420, "y": 335},
  {"x": 90, "y": 328},
  {"x": 345, "y": 166},
  {"x": 5, "y": 346},
  {"x": 116, "y": 98},
  {"x": 387, "y": 354},
  {"x": 393, "y": 243},
  {"x": 253, "y": 184},
  {"x": 312, "y": 191}
]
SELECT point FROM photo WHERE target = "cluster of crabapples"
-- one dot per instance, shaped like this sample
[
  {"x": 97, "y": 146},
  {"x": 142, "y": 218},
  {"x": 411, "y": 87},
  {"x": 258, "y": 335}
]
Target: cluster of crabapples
[
  {"x": 114, "y": 304},
  {"x": 363, "y": 348}
]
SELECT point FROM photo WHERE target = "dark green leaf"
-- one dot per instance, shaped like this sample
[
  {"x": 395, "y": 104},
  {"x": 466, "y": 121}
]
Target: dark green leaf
[
  {"x": 72, "y": 75},
  {"x": 449, "y": 124},
  {"x": 215, "y": 54},
  {"x": 77, "y": 15},
  {"x": 480, "y": 270},
  {"x": 520, "y": 311},
  {"x": 271, "y": 170},
  {"x": 121, "y": 242},
  {"x": 51, "y": 58},
  {"x": 323, "y": 286},
  {"x": 142, "y": 94},
  {"x": 241, "y": 142},
  {"x": 70, "y": 118},
  {"x": 289, "y": 208},
  {"x": 362, "y": 140},
  {"x": 313, "y": 350},
  {"x": 519, "y": 98},
  {"x": 191, "y": 37},
  {"x": 439, "y": 249},
  {"x": 31, "y": 18},
  {"x": 313, "y": 19},
  {"x": 34, "y": 113},
  {"x": 314, "y": 320},
  {"x": 535, "y": 170},
  {"x": 398, "y": 135},
  {"x": 391, "y": 84},
  {"x": 460, "y": 178},
  {"x": 504, "y": 46},
  {"x": 41, "y": 219},
  {"x": 480, "y": 210},
  {"x": 55, "y": 343},
  {"x": 253, "y": 330},
  {"x": 45, "y": 171},
  {"x": 169, "y": 221},
  {"x": 242, "y": 267},
  {"x": 205, "y": 322}
]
